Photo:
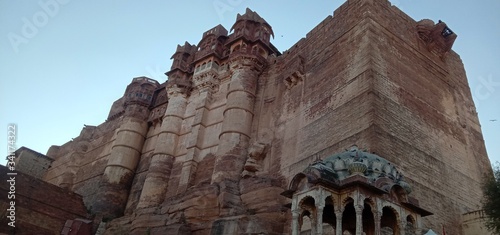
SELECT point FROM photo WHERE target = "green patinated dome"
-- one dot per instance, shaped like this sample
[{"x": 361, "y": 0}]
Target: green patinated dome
[{"x": 373, "y": 168}]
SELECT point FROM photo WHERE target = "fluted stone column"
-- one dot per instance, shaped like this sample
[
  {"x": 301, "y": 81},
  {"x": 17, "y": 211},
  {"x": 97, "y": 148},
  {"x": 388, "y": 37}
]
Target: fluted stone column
[
  {"x": 314, "y": 222},
  {"x": 401, "y": 225},
  {"x": 120, "y": 169},
  {"x": 236, "y": 127},
  {"x": 359, "y": 219},
  {"x": 320, "y": 205},
  {"x": 160, "y": 167},
  {"x": 338, "y": 227},
  {"x": 377, "y": 218},
  {"x": 418, "y": 225},
  {"x": 295, "y": 222}
]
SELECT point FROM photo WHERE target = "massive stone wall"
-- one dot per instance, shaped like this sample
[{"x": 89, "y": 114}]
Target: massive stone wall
[
  {"x": 79, "y": 164},
  {"x": 39, "y": 207},
  {"x": 224, "y": 140}
]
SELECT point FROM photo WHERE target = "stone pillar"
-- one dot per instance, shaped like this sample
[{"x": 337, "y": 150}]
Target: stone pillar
[
  {"x": 319, "y": 220},
  {"x": 314, "y": 221},
  {"x": 377, "y": 216},
  {"x": 359, "y": 219},
  {"x": 120, "y": 169},
  {"x": 418, "y": 225},
  {"x": 160, "y": 167},
  {"x": 295, "y": 222},
  {"x": 401, "y": 225},
  {"x": 235, "y": 134},
  {"x": 320, "y": 205},
  {"x": 338, "y": 226},
  {"x": 236, "y": 127}
]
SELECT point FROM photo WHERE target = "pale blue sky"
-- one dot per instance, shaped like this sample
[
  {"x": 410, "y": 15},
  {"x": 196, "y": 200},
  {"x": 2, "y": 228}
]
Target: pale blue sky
[{"x": 78, "y": 56}]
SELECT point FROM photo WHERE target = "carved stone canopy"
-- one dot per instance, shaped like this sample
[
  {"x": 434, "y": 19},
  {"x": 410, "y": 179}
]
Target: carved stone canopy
[
  {"x": 353, "y": 168},
  {"x": 354, "y": 165},
  {"x": 438, "y": 37}
]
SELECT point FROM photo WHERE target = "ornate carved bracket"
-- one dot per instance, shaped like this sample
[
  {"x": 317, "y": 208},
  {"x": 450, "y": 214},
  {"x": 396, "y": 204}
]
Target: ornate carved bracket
[
  {"x": 256, "y": 154},
  {"x": 294, "y": 72},
  {"x": 437, "y": 37},
  {"x": 208, "y": 80}
]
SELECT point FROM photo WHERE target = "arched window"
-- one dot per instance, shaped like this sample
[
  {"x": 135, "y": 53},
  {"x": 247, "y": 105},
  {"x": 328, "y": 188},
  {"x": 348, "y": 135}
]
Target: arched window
[
  {"x": 305, "y": 225},
  {"x": 349, "y": 217},
  {"x": 254, "y": 50},
  {"x": 368, "y": 218},
  {"x": 262, "y": 52},
  {"x": 389, "y": 221},
  {"x": 329, "y": 218},
  {"x": 308, "y": 206},
  {"x": 410, "y": 225},
  {"x": 236, "y": 48}
]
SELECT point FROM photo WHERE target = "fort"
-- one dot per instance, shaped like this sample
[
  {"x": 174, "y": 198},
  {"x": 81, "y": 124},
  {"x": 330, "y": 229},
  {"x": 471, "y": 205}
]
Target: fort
[{"x": 364, "y": 126}]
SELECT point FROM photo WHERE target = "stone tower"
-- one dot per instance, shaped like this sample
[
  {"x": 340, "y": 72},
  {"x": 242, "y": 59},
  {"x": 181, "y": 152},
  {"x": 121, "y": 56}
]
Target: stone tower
[{"x": 230, "y": 141}]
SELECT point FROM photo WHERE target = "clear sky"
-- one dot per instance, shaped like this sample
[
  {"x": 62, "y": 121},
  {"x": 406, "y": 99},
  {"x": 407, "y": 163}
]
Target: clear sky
[{"x": 64, "y": 62}]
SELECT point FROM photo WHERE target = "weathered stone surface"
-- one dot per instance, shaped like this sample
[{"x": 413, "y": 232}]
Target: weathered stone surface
[
  {"x": 40, "y": 207},
  {"x": 369, "y": 75}
]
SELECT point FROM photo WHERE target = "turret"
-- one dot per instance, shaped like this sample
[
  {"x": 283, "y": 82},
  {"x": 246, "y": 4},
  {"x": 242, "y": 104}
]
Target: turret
[
  {"x": 126, "y": 150},
  {"x": 183, "y": 57},
  {"x": 249, "y": 47},
  {"x": 181, "y": 66},
  {"x": 252, "y": 27},
  {"x": 176, "y": 90},
  {"x": 211, "y": 49},
  {"x": 251, "y": 36}
]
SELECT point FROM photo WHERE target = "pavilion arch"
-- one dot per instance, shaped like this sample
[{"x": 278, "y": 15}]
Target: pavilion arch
[
  {"x": 307, "y": 202},
  {"x": 372, "y": 204},
  {"x": 389, "y": 220},
  {"x": 369, "y": 208},
  {"x": 349, "y": 216},
  {"x": 346, "y": 201},
  {"x": 410, "y": 226},
  {"x": 300, "y": 182},
  {"x": 305, "y": 221},
  {"x": 361, "y": 199},
  {"x": 308, "y": 209},
  {"x": 329, "y": 217}
]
